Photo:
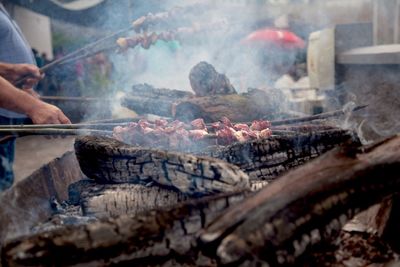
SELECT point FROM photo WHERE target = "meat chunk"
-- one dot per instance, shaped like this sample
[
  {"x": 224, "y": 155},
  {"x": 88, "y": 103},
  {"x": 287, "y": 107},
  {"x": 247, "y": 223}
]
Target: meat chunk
[
  {"x": 259, "y": 125},
  {"x": 199, "y": 124}
]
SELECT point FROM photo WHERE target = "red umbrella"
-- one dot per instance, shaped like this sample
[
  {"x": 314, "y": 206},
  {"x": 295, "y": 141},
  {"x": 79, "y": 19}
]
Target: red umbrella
[{"x": 281, "y": 38}]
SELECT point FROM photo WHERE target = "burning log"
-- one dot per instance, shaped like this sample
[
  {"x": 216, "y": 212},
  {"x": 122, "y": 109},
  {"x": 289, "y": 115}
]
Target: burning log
[
  {"x": 153, "y": 238},
  {"x": 110, "y": 161},
  {"x": 239, "y": 108},
  {"x": 112, "y": 200},
  {"x": 206, "y": 81},
  {"x": 277, "y": 225},
  {"x": 305, "y": 206},
  {"x": 211, "y": 108},
  {"x": 145, "y": 99},
  {"x": 146, "y": 90},
  {"x": 266, "y": 159}
]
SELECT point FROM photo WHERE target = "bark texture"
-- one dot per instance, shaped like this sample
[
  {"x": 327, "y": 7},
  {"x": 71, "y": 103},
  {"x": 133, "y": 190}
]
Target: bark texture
[
  {"x": 102, "y": 201},
  {"x": 266, "y": 159},
  {"x": 145, "y": 99},
  {"x": 206, "y": 81},
  {"x": 306, "y": 205},
  {"x": 110, "y": 161},
  {"x": 276, "y": 225},
  {"x": 237, "y": 108},
  {"x": 153, "y": 238}
]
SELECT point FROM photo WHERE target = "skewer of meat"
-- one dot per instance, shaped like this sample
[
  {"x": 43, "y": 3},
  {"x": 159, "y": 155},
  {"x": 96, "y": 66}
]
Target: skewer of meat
[
  {"x": 146, "y": 40},
  {"x": 144, "y": 22}
]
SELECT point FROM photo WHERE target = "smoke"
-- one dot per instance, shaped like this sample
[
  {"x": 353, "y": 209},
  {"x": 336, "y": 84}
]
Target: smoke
[
  {"x": 18, "y": 218},
  {"x": 167, "y": 64}
]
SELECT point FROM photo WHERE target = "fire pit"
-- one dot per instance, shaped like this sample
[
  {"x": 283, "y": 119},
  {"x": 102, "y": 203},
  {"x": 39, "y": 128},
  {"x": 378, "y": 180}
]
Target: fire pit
[{"x": 159, "y": 221}]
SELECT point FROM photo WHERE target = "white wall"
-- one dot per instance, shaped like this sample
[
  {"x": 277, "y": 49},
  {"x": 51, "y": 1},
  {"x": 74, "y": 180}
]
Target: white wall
[{"x": 36, "y": 29}]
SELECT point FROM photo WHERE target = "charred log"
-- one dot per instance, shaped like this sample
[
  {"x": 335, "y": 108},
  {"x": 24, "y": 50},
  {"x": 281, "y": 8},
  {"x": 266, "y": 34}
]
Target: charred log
[
  {"x": 110, "y": 161},
  {"x": 112, "y": 200},
  {"x": 206, "y": 81},
  {"x": 146, "y": 90},
  {"x": 305, "y": 206},
  {"x": 153, "y": 238},
  {"x": 145, "y": 99},
  {"x": 277, "y": 225},
  {"x": 105, "y": 200},
  {"x": 144, "y": 105},
  {"x": 238, "y": 108},
  {"x": 266, "y": 159}
]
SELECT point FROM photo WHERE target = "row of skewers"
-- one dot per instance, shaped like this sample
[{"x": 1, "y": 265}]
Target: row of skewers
[
  {"x": 116, "y": 41},
  {"x": 106, "y": 127}
]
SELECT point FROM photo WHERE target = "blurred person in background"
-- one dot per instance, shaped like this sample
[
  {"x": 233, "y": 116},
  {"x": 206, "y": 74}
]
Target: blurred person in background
[
  {"x": 17, "y": 61},
  {"x": 38, "y": 58},
  {"x": 46, "y": 60}
]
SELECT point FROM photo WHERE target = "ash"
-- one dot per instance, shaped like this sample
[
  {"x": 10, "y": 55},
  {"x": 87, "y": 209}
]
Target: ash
[
  {"x": 351, "y": 249},
  {"x": 64, "y": 214}
]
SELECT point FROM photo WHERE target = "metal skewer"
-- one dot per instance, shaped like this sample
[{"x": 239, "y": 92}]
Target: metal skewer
[
  {"x": 54, "y": 131},
  {"x": 63, "y": 126},
  {"x": 321, "y": 116},
  {"x": 105, "y": 125},
  {"x": 88, "y": 50}
]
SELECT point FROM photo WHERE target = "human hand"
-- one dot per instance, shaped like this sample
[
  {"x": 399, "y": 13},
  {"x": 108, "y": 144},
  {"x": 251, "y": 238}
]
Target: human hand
[
  {"x": 14, "y": 73},
  {"x": 44, "y": 113}
]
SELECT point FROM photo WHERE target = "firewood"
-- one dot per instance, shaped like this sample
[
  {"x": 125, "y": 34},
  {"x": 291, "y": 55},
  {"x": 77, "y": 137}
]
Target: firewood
[
  {"x": 110, "y": 161},
  {"x": 105, "y": 200},
  {"x": 306, "y": 205},
  {"x": 266, "y": 159},
  {"x": 153, "y": 238},
  {"x": 276, "y": 225},
  {"x": 146, "y": 90},
  {"x": 206, "y": 81},
  {"x": 145, "y": 99},
  {"x": 213, "y": 108},
  {"x": 160, "y": 106},
  {"x": 246, "y": 107},
  {"x": 112, "y": 200}
]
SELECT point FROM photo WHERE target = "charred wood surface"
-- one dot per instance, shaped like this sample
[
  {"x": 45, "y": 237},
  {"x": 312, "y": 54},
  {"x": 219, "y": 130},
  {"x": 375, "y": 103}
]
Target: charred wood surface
[
  {"x": 146, "y": 90},
  {"x": 268, "y": 158},
  {"x": 212, "y": 108},
  {"x": 305, "y": 206},
  {"x": 277, "y": 225},
  {"x": 145, "y": 99},
  {"x": 105, "y": 200},
  {"x": 110, "y": 161},
  {"x": 160, "y": 106},
  {"x": 154, "y": 238},
  {"x": 206, "y": 81}
]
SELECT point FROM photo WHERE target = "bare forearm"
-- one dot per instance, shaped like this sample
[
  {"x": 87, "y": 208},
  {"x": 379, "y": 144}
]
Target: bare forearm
[
  {"x": 40, "y": 112},
  {"x": 14, "y": 99}
]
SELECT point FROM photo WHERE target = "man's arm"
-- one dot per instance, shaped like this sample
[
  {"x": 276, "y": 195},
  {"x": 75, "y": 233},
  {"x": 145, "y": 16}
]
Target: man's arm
[{"x": 40, "y": 112}]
